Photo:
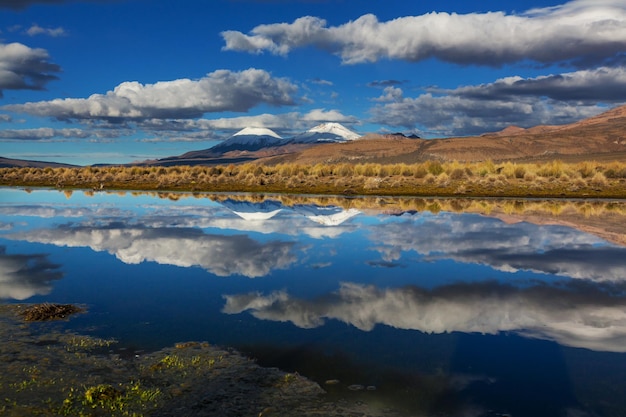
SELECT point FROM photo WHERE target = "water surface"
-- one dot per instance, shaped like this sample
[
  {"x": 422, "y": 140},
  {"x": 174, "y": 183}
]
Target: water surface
[{"x": 445, "y": 307}]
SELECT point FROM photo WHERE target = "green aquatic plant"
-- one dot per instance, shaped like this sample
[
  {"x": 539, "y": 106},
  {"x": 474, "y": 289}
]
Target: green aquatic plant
[
  {"x": 129, "y": 400},
  {"x": 82, "y": 342},
  {"x": 103, "y": 396}
]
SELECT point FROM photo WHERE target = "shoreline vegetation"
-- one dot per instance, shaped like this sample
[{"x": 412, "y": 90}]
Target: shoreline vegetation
[
  {"x": 553, "y": 179},
  {"x": 47, "y": 371}
]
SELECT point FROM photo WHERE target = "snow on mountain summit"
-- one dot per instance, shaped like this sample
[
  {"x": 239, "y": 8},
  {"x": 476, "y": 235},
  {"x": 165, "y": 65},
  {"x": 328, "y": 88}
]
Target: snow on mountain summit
[
  {"x": 257, "y": 131},
  {"x": 336, "y": 129},
  {"x": 326, "y": 132},
  {"x": 250, "y": 139}
]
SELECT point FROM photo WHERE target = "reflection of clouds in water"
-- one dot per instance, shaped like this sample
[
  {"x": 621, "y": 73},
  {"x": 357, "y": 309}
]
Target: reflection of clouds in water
[
  {"x": 22, "y": 276},
  {"x": 580, "y": 316},
  {"x": 50, "y": 211},
  {"x": 6, "y": 226},
  {"x": 218, "y": 254},
  {"x": 289, "y": 226},
  {"x": 475, "y": 239},
  {"x": 322, "y": 222}
]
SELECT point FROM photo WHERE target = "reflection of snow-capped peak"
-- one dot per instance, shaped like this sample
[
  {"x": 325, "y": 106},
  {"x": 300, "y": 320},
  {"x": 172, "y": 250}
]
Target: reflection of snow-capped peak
[
  {"x": 253, "y": 211},
  {"x": 335, "y": 219},
  {"x": 256, "y": 216},
  {"x": 257, "y": 131},
  {"x": 327, "y": 216}
]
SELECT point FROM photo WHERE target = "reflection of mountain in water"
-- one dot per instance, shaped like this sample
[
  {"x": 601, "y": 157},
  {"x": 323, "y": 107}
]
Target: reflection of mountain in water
[
  {"x": 579, "y": 315},
  {"x": 324, "y": 215},
  {"x": 327, "y": 216},
  {"x": 22, "y": 276},
  {"x": 253, "y": 211}
]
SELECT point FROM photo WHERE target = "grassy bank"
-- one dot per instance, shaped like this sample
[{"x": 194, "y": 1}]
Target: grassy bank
[{"x": 433, "y": 178}]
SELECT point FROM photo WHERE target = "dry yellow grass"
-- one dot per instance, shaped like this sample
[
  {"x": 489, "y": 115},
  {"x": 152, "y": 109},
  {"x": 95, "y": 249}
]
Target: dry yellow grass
[{"x": 550, "y": 179}]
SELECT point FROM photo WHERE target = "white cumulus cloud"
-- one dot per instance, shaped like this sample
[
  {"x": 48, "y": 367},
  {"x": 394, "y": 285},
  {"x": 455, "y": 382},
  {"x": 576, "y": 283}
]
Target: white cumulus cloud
[
  {"x": 25, "y": 68},
  {"x": 218, "y": 91},
  {"x": 580, "y": 32},
  {"x": 35, "y": 30}
]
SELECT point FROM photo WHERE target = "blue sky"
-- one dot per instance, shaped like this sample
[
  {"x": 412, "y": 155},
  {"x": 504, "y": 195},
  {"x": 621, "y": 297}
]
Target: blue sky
[{"x": 89, "y": 82}]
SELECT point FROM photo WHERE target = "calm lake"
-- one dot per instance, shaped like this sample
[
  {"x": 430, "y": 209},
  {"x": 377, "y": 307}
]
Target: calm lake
[{"x": 433, "y": 307}]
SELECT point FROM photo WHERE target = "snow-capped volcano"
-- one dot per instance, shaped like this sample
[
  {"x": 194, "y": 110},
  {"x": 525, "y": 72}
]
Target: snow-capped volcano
[
  {"x": 336, "y": 129},
  {"x": 326, "y": 132},
  {"x": 250, "y": 139},
  {"x": 257, "y": 131}
]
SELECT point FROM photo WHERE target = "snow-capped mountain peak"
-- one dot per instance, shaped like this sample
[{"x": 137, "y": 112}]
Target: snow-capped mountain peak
[
  {"x": 250, "y": 139},
  {"x": 336, "y": 129},
  {"x": 326, "y": 132},
  {"x": 257, "y": 131}
]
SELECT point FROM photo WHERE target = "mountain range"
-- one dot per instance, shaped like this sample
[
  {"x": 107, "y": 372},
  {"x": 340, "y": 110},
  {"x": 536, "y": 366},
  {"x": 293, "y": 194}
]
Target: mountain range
[
  {"x": 602, "y": 137},
  {"x": 254, "y": 142}
]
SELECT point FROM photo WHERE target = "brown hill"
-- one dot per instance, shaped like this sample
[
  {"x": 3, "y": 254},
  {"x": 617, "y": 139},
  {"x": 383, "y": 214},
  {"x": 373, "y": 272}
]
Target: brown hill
[
  {"x": 23, "y": 163},
  {"x": 601, "y": 137}
]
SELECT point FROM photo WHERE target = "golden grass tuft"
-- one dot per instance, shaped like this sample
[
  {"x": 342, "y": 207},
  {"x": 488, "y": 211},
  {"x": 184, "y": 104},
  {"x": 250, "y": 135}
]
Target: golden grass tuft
[
  {"x": 550, "y": 179},
  {"x": 48, "y": 311}
]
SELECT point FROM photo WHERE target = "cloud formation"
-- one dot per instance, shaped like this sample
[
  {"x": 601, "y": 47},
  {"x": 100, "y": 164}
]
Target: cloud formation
[
  {"x": 556, "y": 250},
  {"x": 286, "y": 124},
  {"x": 23, "y": 276},
  {"x": 25, "y": 68},
  {"x": 526, "y": 102},
  {"x": 604, "y": 84},
  {"x": 293, "y": 121},
  {"x": 43, "y": 133},
  {"x": 580, "y": 316},
  {"x": 219, "y": 91},
  {"x": 35, "y": 30},
  {"x": 219, "y": 254},
  {"x": 581, "y": 32}
]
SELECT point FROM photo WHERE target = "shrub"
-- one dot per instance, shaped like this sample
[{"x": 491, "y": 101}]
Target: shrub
[
  {"x": 485, "y": 168},
  {"x": 587, "y": 168},
  {"x": 457, "y": 174},
  {"x": 615, "y": 170},
  {"x": 419, "y": 171},
  {"x": 345, "y": 170},
  {"x": 598, "y": 180},
  {"x": 519, "y": 172},
  {"x": 530, "y": 176},
  {"x": 406, "y": 170},
  {"x": 435, "y": 167},
  {"x": 551, "y": 169}
]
